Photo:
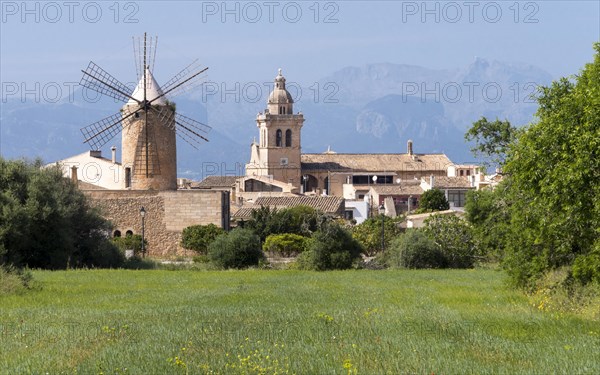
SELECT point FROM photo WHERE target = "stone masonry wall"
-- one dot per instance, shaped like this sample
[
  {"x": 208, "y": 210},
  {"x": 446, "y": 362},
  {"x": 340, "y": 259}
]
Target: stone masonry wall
[{"x": 167, "y": 214}]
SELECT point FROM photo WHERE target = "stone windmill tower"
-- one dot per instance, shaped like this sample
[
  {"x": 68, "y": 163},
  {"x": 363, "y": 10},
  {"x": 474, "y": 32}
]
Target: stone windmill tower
[{"x": 148, "y": 121}]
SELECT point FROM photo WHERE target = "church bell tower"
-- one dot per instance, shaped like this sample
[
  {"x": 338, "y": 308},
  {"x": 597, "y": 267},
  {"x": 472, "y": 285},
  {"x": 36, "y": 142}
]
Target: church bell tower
[{"x": 277, "y": 154}]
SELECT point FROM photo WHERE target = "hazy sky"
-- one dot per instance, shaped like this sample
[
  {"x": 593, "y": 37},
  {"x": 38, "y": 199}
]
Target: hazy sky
[{"x": 248, "y": 41}]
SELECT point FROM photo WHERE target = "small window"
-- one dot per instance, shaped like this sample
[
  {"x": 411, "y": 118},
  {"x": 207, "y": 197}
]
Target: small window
[
  {"x": 128, "y": 233},
  {"x": 127, "y": 177},
  {"x": 348, "y": 214},
  {"x": 462, "y": 172},
  {"x": 468, "y": 172},
  {"x": 288, "y": 138},
  {"x": 278, "y": 136},
  {"x": 117, "y": 233}
]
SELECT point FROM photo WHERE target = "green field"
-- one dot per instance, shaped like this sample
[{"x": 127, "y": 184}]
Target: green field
[{"x": 365, "y": 322}]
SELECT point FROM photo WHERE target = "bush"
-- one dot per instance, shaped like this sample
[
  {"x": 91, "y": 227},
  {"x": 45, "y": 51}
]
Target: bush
[
  {"x": 107, "y": 255},
  {"x": 454, "y": 237},
  {"x": 586, "y": 268},
  {"x": 239, "y": 248},
  {"x": 130, "y": 242},
  {"x": 286, "y": 244},
  {"x": 302, "y": 220},
  {"x": 368, "y": 233},
  {"x": 415, "y": 249},
  {"x": 14, "y": 280},
  {"x": 331, "y": 248},
  {"x": 198, "y": 237},
  {"x": 433, "y": 200}
]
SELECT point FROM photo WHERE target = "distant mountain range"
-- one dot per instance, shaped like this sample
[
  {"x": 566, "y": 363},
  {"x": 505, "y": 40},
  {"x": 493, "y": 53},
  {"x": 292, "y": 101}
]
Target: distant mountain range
[{"x": 373, "y": 108}]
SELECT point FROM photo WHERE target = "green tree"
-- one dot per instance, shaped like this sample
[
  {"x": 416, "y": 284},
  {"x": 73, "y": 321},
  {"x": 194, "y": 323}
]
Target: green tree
[
  {"x": 554, "y": 171},
  {"x": 368, "y": 233},
  {"x": 488, "y": 212},
  {"x": 492, "y": 138},
  {"x": 46, "y": 221},
  {"x": 302, "y": 220},
  {"x": 454, "y": 238},
  {"x": 239, "y": 248},
  {"x": 198, "y": 237},
  {"x": 330, "y": 248},
  {"x": 286, "y": 244},
  {"x": 415, "y": 249},
  {"x": 433, "y": 200}
]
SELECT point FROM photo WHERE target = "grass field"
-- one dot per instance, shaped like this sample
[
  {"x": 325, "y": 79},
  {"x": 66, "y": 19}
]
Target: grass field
[{"x": 365, "y": 322}]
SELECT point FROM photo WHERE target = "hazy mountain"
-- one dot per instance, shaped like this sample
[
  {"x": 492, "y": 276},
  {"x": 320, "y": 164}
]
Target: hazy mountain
[{"x": 373, "y": 108}]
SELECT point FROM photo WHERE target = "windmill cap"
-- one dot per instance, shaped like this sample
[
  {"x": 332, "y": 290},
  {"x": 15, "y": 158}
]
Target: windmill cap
[{"x": 153, "y": 91}]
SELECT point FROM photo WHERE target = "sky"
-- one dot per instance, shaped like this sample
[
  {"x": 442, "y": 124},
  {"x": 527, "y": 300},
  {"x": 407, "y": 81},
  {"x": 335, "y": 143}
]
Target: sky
[{"x": 45, "y": 42}]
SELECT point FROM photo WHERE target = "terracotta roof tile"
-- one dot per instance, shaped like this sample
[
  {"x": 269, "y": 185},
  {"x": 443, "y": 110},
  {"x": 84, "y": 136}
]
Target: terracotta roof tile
[
  {"x": 328, "y": 204},
  {"x": 375, "y": 162},
  {"x": 215, "y": 181},
  {"x": 452, "y": 182}
]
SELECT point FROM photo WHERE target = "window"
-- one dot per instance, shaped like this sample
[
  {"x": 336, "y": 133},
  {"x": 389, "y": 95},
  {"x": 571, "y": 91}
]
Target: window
[
  {"x": 461, "y": 172},
  {"x": 117, "y": 233},
  {"x": 348, "y": 214},
  {"x": 129, "y": 233},
  {"x": 457, "y": 197},
  {"x": 127, "y": 177},
  {"x": 288, "y": 138},
  {"x": 278, "y": 136},
  {"x": 282, "y": 110}
]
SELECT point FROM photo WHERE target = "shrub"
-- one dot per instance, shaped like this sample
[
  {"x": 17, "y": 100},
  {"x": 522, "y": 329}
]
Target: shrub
[
  {"x": 14, "y": 280},
  {"x": 368, "y": 233},
  {"x": 107, "y": 255},
  {"x": 130, "y": 242},
  {"x": 454, "y": 237},
  {"x": 286, "y": 244},
  {"x": 239, "y": 248},
  {"x": 415, "y": 249},
  {"x": 302, "y": 220},
  {"x": 198, "y": 237},
  {"x": 332, "y": 247},
  {"x": 433, "y": 200},
  {"x": 586, "y": 268}
]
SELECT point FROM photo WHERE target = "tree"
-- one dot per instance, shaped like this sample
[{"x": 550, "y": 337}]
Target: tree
[
  {"x": 554, "y": 184},
  {"x": 488, "y": 212},
  {"x": 47, "y": 222},
  {"x": 302, "y": 220},
  {"x": 492, "y": 139},
  {"x": 415, "y": 249},
  {"x": 286, "y": 244},
  {"x": 239, "y": 248},
  {"x": 198, "y": 237},
  {"x": 433, "y": 200},
  {"x": 368, "y": 233},
  {"x": 454, "y": 238},
  {"x": 330, "y": 248}
]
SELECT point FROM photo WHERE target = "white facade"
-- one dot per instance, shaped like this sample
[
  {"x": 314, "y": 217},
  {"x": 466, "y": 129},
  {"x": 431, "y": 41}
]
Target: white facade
[{"x": 92, "y": 168}]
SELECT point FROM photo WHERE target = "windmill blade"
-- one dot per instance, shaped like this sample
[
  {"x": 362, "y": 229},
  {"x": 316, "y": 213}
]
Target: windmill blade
[
  {"x": 175, "y": 86},
  {"x": 182, "y": 75},
  {"x": 99, "y": 133},
  {"x": 97, "y": 79},
  {"x": 191, "y": 127}
]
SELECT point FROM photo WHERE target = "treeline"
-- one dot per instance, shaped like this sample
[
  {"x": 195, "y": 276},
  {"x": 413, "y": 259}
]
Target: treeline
[
  {"x": 545, "y": 215},
  {"x": 47, "y": 222}
]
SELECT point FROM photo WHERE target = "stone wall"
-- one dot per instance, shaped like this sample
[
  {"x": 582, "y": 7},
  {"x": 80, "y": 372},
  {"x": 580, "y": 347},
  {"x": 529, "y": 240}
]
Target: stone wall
[{"x": 167, "y": 214}]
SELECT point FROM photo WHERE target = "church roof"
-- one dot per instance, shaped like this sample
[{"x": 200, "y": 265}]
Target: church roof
[
  {"x": 374, "y": 162},
  {"x": 153, "y": 91}
]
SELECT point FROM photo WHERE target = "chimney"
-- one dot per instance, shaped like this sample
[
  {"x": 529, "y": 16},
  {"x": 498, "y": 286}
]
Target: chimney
[
  {"x": 431, "y": 181},
  {"x": 114, "y": 154},
  {"x": 409, "y": 147},
  {"x": 74, "y": 178}
]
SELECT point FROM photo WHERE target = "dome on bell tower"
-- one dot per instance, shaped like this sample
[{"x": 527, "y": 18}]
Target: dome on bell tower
[{"x": 280, "y": 101}]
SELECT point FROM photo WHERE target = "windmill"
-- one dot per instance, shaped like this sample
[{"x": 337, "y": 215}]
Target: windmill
[{"x": 148, "y": 120}]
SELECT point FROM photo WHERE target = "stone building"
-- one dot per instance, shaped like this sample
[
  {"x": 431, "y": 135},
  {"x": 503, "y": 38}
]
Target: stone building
[
  {"x": 278, "y": 167},
  {"x": 146, "y": 177}
]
